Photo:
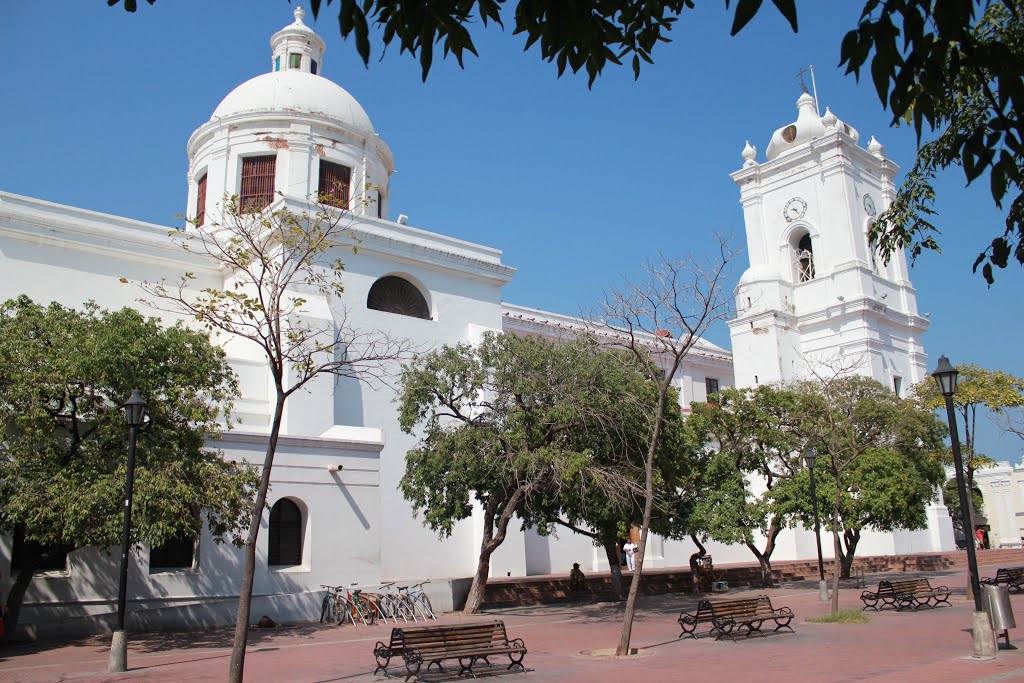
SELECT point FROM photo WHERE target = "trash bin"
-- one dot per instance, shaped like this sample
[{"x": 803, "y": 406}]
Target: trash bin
[{"x": 996, "y": 601}]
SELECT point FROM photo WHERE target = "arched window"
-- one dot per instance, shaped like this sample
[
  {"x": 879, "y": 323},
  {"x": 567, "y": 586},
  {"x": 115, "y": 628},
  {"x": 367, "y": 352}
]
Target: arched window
[
  {"x": 804, "y": 252},
  {"x": 392, "y": 294},
  {"x": 285, "y": 545}
]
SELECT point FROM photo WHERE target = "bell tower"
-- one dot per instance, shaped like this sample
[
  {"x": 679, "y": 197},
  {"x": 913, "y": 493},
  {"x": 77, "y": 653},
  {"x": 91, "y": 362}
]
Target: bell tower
[{"x": 816, "y": 292}]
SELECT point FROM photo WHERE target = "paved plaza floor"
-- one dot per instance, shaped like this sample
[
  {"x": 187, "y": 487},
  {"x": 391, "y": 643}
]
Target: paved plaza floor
[{"x": 930, "y": 645}]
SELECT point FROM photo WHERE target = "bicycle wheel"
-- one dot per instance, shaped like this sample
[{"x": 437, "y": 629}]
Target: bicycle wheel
[
  {"x": 327, "y": 609},
  {"x": 362, "y": 609},
  {"x": 343, "y": 610},
  {"x": 380, "y": 610},
  {"x": 423, "y": 602},
  {"x": 406, "y": 607}
]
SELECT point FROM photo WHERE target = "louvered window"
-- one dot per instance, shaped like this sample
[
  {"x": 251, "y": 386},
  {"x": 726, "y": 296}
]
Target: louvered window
[
  {"x": 285, "y": 547},
  {"x": 177, "y": 553},
  {"x": 392, "y": 294},
  {"x": 334, "y": 184},
  {"x": 201, "y": 201},
  {"x": 257, "y": 190}
]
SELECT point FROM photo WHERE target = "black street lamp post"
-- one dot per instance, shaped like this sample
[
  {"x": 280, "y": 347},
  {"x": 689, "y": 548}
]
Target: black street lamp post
[
  {"x": 135, "y": 412},
  {"x": 809, "y": 458},
  {"x": 945, "y": 376}
]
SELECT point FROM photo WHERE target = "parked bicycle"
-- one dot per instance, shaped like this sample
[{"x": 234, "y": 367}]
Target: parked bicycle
[{"x": 418, "y": 600}]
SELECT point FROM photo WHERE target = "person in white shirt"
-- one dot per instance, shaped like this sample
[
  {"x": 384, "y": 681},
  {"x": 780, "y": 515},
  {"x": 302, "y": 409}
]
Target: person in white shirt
[{"x": 631, "y": 549}]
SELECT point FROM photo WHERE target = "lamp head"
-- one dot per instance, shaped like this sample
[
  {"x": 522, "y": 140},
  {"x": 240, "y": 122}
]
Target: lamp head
[
  {"x": 945, "y": 376},
  {"x": 135, "y": 409},
  {"x": 809, "y": 457}
]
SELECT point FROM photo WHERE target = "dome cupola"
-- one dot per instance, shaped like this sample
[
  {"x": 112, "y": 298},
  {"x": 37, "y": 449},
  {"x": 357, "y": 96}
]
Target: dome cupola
[
  {"x": 290, "y": 132},
  {"x": 808, "y": 126},
  {"x": 297, "y": 48}
]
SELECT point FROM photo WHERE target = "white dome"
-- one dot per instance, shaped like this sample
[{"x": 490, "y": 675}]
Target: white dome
[
  {"x": 808, "y": 126},
  {"x": 759, "y": 274},
  {"x": 295, "y": 91}
]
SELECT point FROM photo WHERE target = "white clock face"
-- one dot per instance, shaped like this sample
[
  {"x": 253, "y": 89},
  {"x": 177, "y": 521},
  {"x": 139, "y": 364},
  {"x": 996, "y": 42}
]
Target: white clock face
[
  {"x": 869, "y": 205},
  {"x": 794, "y": 210}
]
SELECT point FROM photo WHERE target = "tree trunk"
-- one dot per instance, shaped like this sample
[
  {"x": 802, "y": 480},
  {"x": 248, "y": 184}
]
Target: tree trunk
[
  {"x": 765, "y": 560},
  {"x": 491, "y": 542},
  {"x": 237, "y": 666},
  {"x": 612, "y": 551},
  {"x": 634, "y": 586},
  {"x": 476, "y": 591},
  {"x": 695, "y": 572},
  {"x": 850, "y": 539},
  {"x": 17, "y": 595},
  {"x": 837, "y": 568}
]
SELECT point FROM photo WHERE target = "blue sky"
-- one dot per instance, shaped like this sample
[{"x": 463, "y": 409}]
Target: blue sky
[{"x": 576, "y": 186}]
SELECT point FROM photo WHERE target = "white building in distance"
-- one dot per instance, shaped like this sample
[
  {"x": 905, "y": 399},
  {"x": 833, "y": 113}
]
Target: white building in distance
[{"x": 813, "y": 290}]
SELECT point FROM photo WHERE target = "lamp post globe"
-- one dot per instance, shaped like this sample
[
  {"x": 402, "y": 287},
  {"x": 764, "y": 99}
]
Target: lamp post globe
[{"x": 135, "y": 415}]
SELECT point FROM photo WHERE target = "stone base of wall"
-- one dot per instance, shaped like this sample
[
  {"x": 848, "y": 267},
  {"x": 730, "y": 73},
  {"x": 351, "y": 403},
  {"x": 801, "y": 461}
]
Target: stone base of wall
[{"x": 534, "y": 590}]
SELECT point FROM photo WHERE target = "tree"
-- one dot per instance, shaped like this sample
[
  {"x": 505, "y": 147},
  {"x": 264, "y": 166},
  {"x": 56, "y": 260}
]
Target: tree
[
  {"x": 578, "y": 35},
  {"x": 885, "y": 489},
  {"x": 275, "y": 262},
  {"x": 608, "y": 519},
  {"x": 664, "y": 316},
  {"x": 851, "y": 421},
  {"x": 753, "y": 432},
  {"x": 520, "y": 425},
  {"x": 63, "y": 375},
  {"x": 977, "y": 388},
  {"x": 957, "y": 67}
]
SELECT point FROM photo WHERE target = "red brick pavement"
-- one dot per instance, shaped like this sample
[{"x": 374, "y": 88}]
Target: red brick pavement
[{"x": 924, "y": 646}]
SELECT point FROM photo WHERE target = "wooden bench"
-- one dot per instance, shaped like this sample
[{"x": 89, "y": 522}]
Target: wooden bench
[
  {"x": 906, "y": 594},
  {"x": 1013, "y": 577},
  {"x": 740, "y": 616},
  {"x": 466, "y": 643}
]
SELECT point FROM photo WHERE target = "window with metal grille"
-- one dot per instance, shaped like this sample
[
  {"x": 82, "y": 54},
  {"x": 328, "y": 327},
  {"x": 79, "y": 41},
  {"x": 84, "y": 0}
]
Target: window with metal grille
[
  {"x": 392, "y": 294},
  {"x": 201, "y": 201},
  {"x": 285, "y": 539},
  {"x": 711, "y": 385},
  {"x": 257, "y": 187},
  {"x": 177, "y": 553},
  {"x": 25, "y": 553},
  {"x": 334, "y": 184}
]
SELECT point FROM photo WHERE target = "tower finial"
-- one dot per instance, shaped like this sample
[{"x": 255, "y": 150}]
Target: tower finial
[
  {"x": 300, "y": 14},
  {"x": 800, "y": 75}
]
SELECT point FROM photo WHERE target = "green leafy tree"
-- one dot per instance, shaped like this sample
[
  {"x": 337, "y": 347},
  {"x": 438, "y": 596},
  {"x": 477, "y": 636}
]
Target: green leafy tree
[
  {"x": 851, "y": 421},
  {"x": 954, "y": 67},
  {"x": 978, "y": 390},
  {"x": 606, "y": 519},
  {"x": 753, "y": 433},
  {"x": 63, "y": 375},
  {"x": 520, "y": 425},
  {"x": 282, "y": 270},
  {"x": 883, "y": 490}
]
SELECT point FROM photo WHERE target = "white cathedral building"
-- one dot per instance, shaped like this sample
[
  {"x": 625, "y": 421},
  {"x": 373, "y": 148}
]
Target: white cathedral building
[{"x": 813, "y": 291}]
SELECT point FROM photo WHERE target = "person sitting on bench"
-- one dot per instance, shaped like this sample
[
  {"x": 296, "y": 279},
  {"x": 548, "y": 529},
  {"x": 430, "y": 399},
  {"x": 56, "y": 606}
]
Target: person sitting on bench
[{"x": 577, "y": 582}]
